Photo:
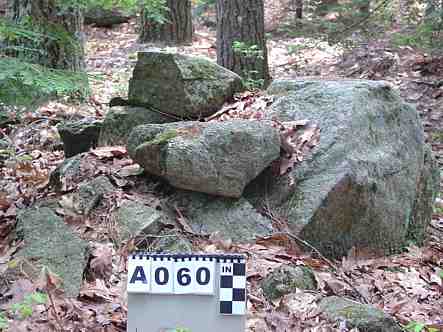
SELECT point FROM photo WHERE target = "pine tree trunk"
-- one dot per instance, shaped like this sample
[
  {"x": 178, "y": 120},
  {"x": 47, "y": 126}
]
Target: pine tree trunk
[
  {"x": 299, "y": 9},
  {"x": 241, "y": 22},
  {"x": 171, "y": 26},
  {"x": 3, "y": 6},
  {"x": 63, "y": 49}
]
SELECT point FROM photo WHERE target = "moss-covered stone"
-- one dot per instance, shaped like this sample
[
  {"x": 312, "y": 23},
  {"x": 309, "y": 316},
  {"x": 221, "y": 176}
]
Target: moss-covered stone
[
  {"x": 137, "y": 219},
  {"x": 65, "y": 173},
  {"x": 49, "y": 242},
  {"x": 217, "y": 158},
  {"x": 163, "y": 137},
  {"x": 287, "y": 279},
  {"x": 367, "y": 184},
  {"x": 187, "y": 87},
  {"x": 91, "y": 192},
  {"x": 79, "y": 136},
  {"x": 119, "y": 122},
  {"x": 365, "y": 318},
  {"x": 172, "y": 242}
]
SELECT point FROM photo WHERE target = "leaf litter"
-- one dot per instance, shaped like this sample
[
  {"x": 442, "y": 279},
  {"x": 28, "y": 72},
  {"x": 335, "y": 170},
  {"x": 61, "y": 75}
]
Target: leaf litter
[{"x": 408, "y": 285}]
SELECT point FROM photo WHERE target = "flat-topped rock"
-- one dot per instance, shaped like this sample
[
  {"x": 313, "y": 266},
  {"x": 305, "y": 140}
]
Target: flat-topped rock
[
  {"x": 188, "y": 87},
  {"x": 218, "y": 158}
]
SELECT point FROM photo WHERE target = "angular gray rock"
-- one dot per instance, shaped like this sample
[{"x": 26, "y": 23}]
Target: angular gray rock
[
  {"x": 120, "y": 120},
  {"x": 91, "y": 192},
  {"x": 49, "y": 242},
  {"x": 172, "y": 242},
  {"x": 137, "y": 219},
  {"x": 370, "y": 182},
  {"x": 79, "y": 136},
  {"x": 105, "y": 18},
  {"x": 234, "y": 219},
  {"x": 218, "y": 158},
  {"x": 184, "y": 86},
  {"x": 364, "y": 317},
  {"x": 286, "y": 279}
]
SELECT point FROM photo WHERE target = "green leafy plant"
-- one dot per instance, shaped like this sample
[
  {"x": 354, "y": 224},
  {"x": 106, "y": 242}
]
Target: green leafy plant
[
  {"x": 414, "y": 326},
  {"x": 24, "y": 83},
  {"x": 249, "y": 51},
  {"x": 23, "y": 309},
  {"x": 182, "y": 329},
  {"x": 155, "y": 11},
  {"x": 3, "y": 321}
]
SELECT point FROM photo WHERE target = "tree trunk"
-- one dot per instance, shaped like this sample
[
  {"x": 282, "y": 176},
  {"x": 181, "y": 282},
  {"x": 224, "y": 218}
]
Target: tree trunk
[
  {"x": 171, "y": 24},
  {"x": 241, "y": 43},
  {"x": 3, "y": 6},
  {"x": 298, "y": 9},
  {"x": 62, "y": 46}
]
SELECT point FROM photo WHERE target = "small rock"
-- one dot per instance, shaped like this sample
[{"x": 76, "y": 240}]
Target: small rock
[
  {"x": 91, "y": 192},
  {"x": 287, "y": 279},
  {"x": 105, "y": 18},
  {"x": 137, "y": 219},
  {"x": 233, "y": 219},
  {"x": 49, "y": 242},
  {"x": 119, "y": 122},
  {"x": 365, "y": 317},
  {"x": 66, "y": 173},
  {"x": 79, "y": 136},
  {"x": 172, "y": 242}
]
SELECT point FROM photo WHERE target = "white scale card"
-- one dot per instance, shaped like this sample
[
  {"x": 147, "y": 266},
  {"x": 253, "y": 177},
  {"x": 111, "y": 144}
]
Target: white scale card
[
  {"x": 162, "y": 276},
  {"x": 139, "y": 272},
  {"x": 202, "y": 293}
]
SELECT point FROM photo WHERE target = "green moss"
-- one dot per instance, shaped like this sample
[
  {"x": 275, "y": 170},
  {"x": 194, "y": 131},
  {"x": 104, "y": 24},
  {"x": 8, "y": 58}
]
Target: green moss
[
  {"x": 163, "y": 137},
  {"x": 437, "y": 137},
  {"x": 200, "y": 69}
]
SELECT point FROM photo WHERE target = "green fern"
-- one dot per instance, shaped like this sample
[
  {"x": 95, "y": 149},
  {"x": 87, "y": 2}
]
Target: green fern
[{"x": 23, "y": 83}]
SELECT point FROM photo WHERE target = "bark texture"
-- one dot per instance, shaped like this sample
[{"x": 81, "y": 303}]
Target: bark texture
[
  {"x": 298, "y": 9},
  {"x": 242, "y": 21},
  {"x": 63, "y": 48},
  {"x": 176, "y": 29}
]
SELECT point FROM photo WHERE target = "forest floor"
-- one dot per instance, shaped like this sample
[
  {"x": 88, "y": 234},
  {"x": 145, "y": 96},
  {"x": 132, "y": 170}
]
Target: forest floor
[{"x": 408, "y": 286}]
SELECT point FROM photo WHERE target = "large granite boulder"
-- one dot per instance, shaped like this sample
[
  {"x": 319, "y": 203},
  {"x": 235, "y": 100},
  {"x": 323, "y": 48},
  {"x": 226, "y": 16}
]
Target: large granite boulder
[
  {"x": 365, "y": 318},
  {"x": 48, "y": 241},
  {"x": 184, "y": 86},
  {"x": 371, "y": 181},
  {"x": 218, "y": 158},
  {"x": 120, "y": 120}
]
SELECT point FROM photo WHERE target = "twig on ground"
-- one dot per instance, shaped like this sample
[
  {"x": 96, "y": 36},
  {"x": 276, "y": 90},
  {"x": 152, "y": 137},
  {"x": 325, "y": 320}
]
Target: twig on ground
[{"x": 334, "y": 267}]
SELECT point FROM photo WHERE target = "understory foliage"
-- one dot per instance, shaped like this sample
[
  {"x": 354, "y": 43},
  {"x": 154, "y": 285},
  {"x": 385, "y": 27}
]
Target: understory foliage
[
  {"x": 24, "y": 81},
  {"x": 350, "y": 22}
]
